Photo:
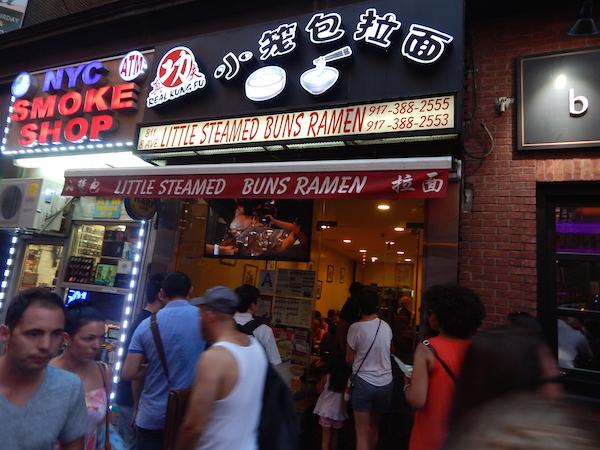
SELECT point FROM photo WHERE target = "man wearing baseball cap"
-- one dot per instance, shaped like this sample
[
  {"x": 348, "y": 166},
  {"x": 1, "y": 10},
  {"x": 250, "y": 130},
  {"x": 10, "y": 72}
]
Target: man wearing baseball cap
[{"x": 225, "y": 409}]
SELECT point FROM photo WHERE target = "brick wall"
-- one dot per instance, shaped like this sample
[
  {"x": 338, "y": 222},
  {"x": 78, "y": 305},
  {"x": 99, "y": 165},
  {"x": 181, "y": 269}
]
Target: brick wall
[{"x": 497, "y": 249}]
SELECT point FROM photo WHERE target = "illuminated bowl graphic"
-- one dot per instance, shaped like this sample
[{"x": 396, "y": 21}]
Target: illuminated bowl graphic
[
  {"x": 265, "y": 83},
  {"x": 316, "y": 81}
]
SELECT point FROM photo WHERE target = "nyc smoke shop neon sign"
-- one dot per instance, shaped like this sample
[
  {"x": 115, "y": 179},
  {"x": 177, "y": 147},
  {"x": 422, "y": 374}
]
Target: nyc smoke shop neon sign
[{"x": 74, "y": 105}]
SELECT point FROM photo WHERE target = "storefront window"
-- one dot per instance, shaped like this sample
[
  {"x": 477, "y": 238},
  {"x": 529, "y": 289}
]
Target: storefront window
[
  {"x": 327, "y": 236},
  {"x": 102, "y": 255},
  {"x": 578, "y": 230},
  {"x": 568, "y": 279},
  {"x": 578, "y": 284},
  {"x": 99, "y": 268},
  {"x": 229, "y": 242},
  {"x": 577, "y": 250},
  {"x": 40, "y": 265}
]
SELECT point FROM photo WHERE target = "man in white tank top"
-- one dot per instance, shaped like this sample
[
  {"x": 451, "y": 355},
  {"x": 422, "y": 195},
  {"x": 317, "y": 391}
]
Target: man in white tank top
[{"x": 225, "y": 406}]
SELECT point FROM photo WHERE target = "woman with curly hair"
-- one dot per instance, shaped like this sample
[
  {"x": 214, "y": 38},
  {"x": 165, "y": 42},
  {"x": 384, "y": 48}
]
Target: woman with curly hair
[{"x": 456, "y": 313}]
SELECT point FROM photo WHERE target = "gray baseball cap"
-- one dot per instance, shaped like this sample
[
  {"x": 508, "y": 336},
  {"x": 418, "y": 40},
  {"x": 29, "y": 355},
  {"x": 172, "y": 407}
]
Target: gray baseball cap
[
  {"x": 196, "y": 301},
  {"x": 219, "y": 298}
]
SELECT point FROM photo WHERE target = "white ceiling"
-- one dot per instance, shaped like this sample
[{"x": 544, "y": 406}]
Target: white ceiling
[{"x": 370, "y": 228}]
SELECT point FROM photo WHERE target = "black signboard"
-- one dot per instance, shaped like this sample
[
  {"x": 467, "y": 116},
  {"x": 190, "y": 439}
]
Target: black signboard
[
  {"x": 360, "y": 53},
  {"x": 558, "y": 98}
]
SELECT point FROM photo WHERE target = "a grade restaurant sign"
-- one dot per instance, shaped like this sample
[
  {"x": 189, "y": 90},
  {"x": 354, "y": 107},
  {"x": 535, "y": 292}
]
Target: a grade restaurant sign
[{"x": 431, "y": 113}]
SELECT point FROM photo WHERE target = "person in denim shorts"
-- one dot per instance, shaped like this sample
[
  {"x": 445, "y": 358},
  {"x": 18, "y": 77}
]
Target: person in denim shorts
[{"x": 368, "y": 349}]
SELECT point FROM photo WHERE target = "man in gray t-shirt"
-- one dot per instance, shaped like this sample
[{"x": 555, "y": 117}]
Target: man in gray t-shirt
[{"x": 39, "y": 404}]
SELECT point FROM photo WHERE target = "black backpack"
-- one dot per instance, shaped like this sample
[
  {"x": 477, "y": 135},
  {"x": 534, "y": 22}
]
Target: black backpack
[
  {"x": 249, "y": 327},
  {"x": 278, "y": 428}
]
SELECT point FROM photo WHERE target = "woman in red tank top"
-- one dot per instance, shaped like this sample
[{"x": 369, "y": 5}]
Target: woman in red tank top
[{"x": 455, "y": 312}]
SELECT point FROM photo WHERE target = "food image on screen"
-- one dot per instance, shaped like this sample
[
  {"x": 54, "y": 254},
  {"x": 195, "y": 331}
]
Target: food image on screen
[{"x": 259, "y": 229}]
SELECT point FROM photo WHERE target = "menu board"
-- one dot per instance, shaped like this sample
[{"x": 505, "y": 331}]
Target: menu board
[
  {"x": 263, "y": 310},
  {"x": 293, "y": 311},
  {"x": 292, "y": 320},
  {"x": 296, "y": 283}
]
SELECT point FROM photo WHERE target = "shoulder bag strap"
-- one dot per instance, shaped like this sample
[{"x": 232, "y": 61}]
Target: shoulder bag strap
[
  {"x": 250, "y": 326},
  {"x": 367, "y": 354},
  {"x": 430, "y": 347},
  {"x": 159, "y": 345},
  {"x": 102, "y": 368}
]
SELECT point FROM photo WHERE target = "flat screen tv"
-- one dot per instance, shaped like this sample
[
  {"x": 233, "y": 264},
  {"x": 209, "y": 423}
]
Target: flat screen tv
[
  {"x": 265, "y": 229},
  {"x": 108, "y": 304}
]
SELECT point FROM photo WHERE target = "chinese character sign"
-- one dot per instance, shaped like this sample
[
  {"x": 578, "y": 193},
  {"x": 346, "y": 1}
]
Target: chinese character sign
[
  {"x": 324, "y": 28},
  {"x": 348, "y": 54},
  {"x": 425, "y": 45},
  {"x": 375, "y": 29},
  {"x": 279, "y": 41}
]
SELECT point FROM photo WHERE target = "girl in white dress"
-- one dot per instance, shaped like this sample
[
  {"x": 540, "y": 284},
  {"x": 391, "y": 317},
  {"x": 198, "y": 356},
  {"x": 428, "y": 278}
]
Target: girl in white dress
[{"x": 331, "y": 407}]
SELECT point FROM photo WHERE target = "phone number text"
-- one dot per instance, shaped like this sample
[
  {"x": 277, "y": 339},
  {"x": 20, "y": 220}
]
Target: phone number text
[{"x": 425, "y": 113}]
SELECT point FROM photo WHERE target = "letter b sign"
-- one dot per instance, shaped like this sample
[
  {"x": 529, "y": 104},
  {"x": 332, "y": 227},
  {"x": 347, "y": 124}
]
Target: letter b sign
[{"x": 573, "y": 104}]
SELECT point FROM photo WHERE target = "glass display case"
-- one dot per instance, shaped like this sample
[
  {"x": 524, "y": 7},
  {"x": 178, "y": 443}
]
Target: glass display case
[
  {"x": 40, "y": 265},
  {"x": 99, "y": 268},
  {"x": 102, "y": 254}
]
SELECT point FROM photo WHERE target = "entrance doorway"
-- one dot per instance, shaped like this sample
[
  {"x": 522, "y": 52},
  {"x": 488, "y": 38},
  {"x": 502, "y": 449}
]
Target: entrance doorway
[{"x": 377, "y": 242}]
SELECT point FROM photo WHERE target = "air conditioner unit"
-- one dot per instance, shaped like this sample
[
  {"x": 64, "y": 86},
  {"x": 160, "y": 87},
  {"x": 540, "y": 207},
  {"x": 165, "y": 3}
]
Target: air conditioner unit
[{"x": 31, "y": 203}]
